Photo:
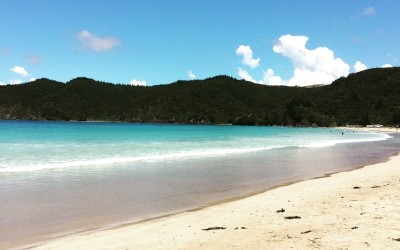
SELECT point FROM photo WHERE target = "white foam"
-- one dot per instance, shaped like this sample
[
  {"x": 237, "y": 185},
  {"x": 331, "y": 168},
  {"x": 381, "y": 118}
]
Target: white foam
[
  {"x": 213, "y": 152},
  {"x": 328, "y": 143},
  {"x": 122, "y": 160}
]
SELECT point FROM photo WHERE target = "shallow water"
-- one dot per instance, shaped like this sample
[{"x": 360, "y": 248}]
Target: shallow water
[
  {"x": 44, "y": 202},
  {"x": 32, "y": 146}
]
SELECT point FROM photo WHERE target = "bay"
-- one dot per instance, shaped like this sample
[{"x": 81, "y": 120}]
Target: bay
[{"x": 62, "y": 177}]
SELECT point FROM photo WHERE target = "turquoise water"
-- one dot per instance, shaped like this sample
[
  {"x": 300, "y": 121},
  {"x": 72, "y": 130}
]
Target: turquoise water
[
  {"x": 58, "y": 178},
  {"x": 33, "y": 146}
]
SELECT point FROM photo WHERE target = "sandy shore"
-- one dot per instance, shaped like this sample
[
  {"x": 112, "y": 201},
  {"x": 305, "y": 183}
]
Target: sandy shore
[{"x": 359, "y": 209}]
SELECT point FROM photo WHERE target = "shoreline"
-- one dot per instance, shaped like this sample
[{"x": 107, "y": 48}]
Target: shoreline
[
  {"x": 372, "y": 129},
  {"x": 247, "y": 218},
  {"x": 381, "y": 129}
]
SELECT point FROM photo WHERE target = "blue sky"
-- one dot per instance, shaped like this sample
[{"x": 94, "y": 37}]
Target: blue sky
[{"x": 157, "y": 42}]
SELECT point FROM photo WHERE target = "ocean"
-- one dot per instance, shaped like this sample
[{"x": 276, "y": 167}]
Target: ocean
[
  {"x": 62, "y": 177},
  {"x": 34, "y": 146}
]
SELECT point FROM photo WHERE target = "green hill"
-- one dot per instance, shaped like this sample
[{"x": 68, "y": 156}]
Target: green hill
[{"x": 370, "y": 96}]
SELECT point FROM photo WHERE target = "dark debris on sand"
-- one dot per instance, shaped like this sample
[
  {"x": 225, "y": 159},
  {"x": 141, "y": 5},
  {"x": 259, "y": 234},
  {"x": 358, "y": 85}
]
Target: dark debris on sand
[
  {"x": 292, "y": 217},
  {"x": 213, "y": 228},
  {"x": 280, "y": 210}
]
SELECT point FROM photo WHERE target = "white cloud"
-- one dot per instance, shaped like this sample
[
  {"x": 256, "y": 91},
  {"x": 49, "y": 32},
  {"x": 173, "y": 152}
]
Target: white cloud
[
  {"x": 137, "y": 83},
  {"x": 310, "y": 66},
  {"x": 190, "y": 74},
  {"x": 369, "y": 11},
  {"x": 317, "y": 66},
  {"x": 243, "y": 74},
  {"x": 387, "y": 65},
  {"x": 15, "y": 81},
  {"x": 19, "y": 70},
  {"x": 247, "y": 54},
  {"x": 304, "y": 77},
  {"x": 12, "y": 82},
  {"x": 95, "y": 43},
  {"x": 270, "y": 78},
  {"x": 359, "y": 66}
]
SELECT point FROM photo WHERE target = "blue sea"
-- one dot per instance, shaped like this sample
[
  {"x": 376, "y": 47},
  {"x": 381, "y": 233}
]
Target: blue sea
[
  {"x": 62, "y": 177},
  {"x": 35, "y": 146}
]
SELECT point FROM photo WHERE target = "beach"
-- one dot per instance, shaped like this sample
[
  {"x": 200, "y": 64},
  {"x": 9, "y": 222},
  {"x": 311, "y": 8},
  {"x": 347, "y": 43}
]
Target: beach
[{"x": 355, "y": 209}]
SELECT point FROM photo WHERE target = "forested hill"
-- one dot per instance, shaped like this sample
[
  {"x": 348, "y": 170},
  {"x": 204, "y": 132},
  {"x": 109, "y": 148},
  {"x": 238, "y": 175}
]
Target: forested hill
[{"x": 370, "y": 96}]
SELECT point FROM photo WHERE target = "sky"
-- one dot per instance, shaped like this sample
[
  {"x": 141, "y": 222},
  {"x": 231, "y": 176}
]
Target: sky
[{"x": 149, "y": 42}]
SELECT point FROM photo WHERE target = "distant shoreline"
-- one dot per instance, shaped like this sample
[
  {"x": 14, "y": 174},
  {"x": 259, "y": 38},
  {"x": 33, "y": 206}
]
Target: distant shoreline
[
  {"x": 381, "y": 129},
  {"x": 361, "y": 128}
]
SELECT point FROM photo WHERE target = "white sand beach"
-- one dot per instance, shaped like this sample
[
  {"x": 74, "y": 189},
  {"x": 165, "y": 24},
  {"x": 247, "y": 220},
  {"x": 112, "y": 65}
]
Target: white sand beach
[{"x": 359, "y": 209}]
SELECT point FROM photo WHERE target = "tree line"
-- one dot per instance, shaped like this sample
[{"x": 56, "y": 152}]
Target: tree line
[{"x": 370, "y": 96}]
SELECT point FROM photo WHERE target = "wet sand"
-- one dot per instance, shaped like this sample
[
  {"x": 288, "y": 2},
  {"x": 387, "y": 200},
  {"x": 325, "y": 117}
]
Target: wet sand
[{"x": 356, "y": 209}]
